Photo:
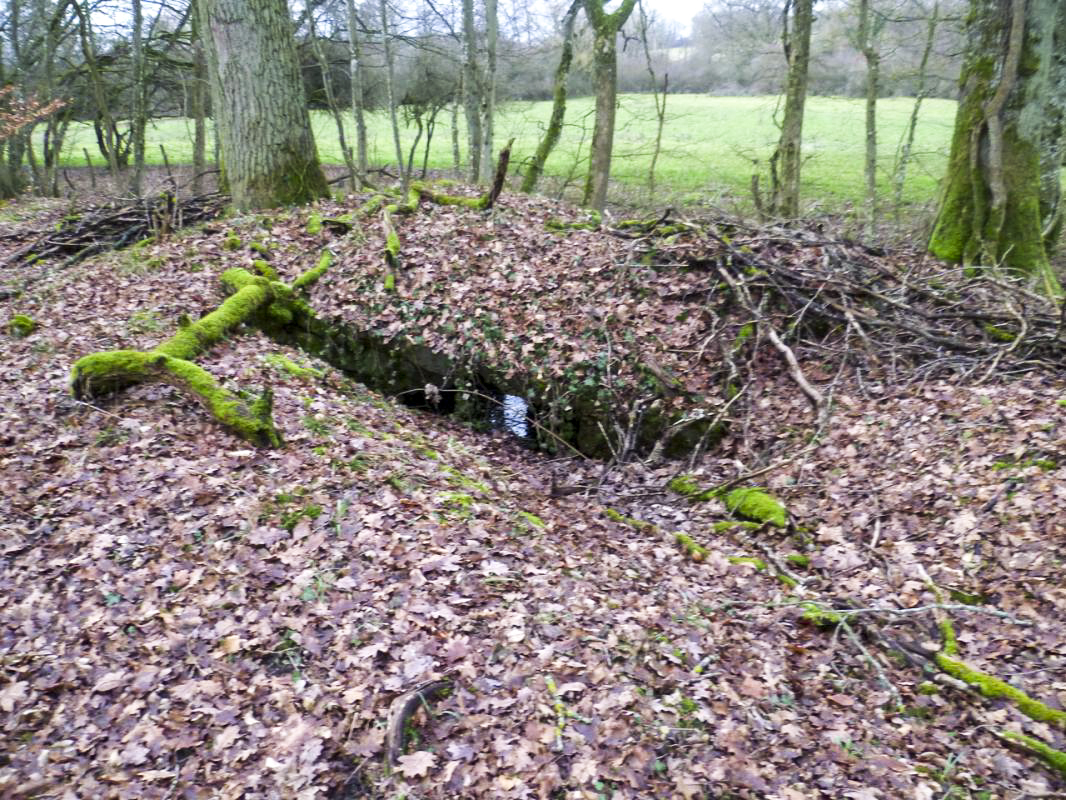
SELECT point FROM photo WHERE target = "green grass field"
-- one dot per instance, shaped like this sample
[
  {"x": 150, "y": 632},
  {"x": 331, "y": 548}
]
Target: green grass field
[{"x": 710, "y": 145}]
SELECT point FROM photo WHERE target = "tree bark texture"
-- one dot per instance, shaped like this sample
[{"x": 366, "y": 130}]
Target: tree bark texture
[
  {"x": 869, "y": 29},
  {"x": 605, "y": 28},
  {"x": 471, "y": 91},
  {"x": 787, "y": 159},
  {"x": 268, "y": 151},
  {"x": 555, "y": 123},
  {"x": 1001, "y": 190},
  {"x": 198, "y": 102},
  {"x": 488, "y": 96},
  {"x": 355, "y": 72},
  {"x": 390, "y": 92}
]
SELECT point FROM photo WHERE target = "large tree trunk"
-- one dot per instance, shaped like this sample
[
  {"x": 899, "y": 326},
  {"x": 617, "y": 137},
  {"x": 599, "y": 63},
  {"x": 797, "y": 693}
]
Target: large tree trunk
[
  {"x": 605, "y": 29},
  {"x": 787, "y": 159},
  {"x": 555, "y": 123},
  {"x": 268, "y": 152},
  {"x": 1005, "y": 143}
]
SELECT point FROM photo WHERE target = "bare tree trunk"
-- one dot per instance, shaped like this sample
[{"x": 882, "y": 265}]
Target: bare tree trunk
[
  {"x": 900, "y": 175},
  {"x": 457, "y": 161},
  {"x": 660, "y": 103},
  {"x": 787, "y": 158},
  {"x": 198, "y": 103},
  {"x": 261, "y": 118},
  {"x": 355, "y": 71},
  {"x": 331, "y": 101},
  {"x": 109, "y": 145},
  {"x": 990, "y": 214},
  {"x": 867, "y": 44},
  {"x": 391, "y": 93},
  {"x": 488, "y": 95},
  {"x": 471, "y": 91},
  {"x": 139, "y": 112},
  {"x": 555, "y": 123},
  {"x": 605, "y": 29}
]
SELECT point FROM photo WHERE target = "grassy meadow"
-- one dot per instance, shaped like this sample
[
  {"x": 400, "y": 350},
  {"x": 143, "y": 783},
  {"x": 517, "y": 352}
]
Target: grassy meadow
[{"x": 710, "y": 148}]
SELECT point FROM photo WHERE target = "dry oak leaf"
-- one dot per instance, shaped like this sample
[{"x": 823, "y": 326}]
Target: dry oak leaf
[{"x": 416, "y": 764}]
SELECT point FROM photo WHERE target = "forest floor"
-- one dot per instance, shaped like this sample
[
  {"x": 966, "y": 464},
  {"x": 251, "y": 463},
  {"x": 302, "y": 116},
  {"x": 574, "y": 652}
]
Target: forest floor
[{"x": 183, "y": 615}]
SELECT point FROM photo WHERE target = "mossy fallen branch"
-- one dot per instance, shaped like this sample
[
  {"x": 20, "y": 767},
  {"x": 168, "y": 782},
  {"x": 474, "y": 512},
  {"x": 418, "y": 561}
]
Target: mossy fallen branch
[
  {"x": 392, "y": 250},
  {"x": 249, "y": 420},
  {"x": 1056, "y": 759},
  {"x": 995, "y": 689},
  {"x": 103, "y": 373},
  {"x": 307, "y": 279},
  {"x": 749, "y": 503}
]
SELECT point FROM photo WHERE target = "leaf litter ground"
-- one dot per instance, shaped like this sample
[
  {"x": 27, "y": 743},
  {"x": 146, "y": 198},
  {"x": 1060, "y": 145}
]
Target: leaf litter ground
[{"x": 183, "y": 616}]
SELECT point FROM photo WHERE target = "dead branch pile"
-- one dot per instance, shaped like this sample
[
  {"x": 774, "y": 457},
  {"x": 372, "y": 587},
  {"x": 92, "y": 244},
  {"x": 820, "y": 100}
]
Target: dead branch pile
[
  {"x": 114, "y": 226},
  {"x": 894, "y": 317}
]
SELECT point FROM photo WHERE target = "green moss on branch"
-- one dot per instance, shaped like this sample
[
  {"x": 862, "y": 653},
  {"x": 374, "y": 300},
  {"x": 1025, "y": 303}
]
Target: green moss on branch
[
  {"x": 1056, "y": 759},
  {"x": 308, "y": 278},
  {"x": 101, "y": 373},
  {"x": 995, "y": 689}
]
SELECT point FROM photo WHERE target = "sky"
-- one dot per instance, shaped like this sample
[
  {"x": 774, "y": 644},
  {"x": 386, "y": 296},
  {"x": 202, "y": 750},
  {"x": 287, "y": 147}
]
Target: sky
[{"x": 679, "y": 11}]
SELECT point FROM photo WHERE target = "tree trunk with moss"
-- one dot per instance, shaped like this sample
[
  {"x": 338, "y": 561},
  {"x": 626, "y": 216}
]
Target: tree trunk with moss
[
  {"x": 268, "y": 151},
  {"x": 1001, "y": 200},
  {"x": 605, "y": 29},
  {"x": 555, "y": 123},
  {"x": 787, "y": 158}
]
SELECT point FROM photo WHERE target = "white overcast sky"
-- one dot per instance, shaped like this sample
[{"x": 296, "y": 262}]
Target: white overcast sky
[{"x": 679, "y": 11}]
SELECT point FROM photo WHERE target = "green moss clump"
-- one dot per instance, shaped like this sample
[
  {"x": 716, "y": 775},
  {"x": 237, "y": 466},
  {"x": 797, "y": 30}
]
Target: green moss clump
[
  {"x": 283, "y": 364},
  {"x": 264, "y": 269},
  {"x": 927, "y": 687},
  {"x": 531, "y": 520},
  {"x": 758, "y": 563},
  {"x": 732, "y": 524},
  {"x": 316, "y": 272},
  {"x": 814, "y": 614},
  {"x": 695, "y": 551},
  {"x": 314, "y": 224},
  {"x": 997, "y": 333},
  {"x": 21, "y": 325},
  {"x": 995, "y": 689},
  {"x": 746, "y": 332},
  {"x": 232, "y": 242},
  {"x": 390, "y": 282},
  {"x": 260, "y": 248},
  {"x": 636, "y": 524},
  {"x": 798, "y": 560},
  {"x": 686, "y": 486},
  {"x": 1056, "y": 759},
  {"x": 757, "y": 505},
  {"x": 392, "y": 245}
]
